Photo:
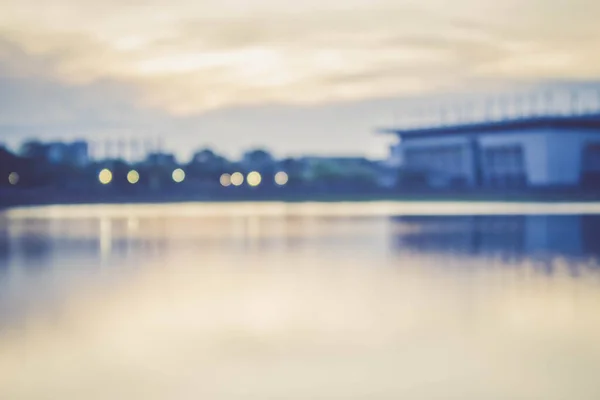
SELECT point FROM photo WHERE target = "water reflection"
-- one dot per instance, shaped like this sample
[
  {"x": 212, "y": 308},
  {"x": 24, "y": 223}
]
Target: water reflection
[
  {"x": 4, "y": 250},
  {"x": 514, "y": 237},
  {"x": 95, "y": 242},
  {"x": 298, "y": 307}
]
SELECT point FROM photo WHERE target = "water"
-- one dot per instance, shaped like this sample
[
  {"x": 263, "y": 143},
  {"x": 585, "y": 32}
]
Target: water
[{"x": 173, "y": 302}]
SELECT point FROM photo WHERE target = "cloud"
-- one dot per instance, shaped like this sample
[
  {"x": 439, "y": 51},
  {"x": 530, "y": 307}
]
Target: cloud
[
  {"x": 188, "y": 57},
  {"x": 251, "y": 72},
  {"x": 39, "y": 105}
]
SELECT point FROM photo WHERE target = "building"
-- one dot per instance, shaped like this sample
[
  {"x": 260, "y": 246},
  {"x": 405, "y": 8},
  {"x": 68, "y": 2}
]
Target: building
[
  {"x": 162, "y": 159},
  {"x": 312, "y": 165},
  {"x": 75, "y": 153},
  {"x": 258, "y": 160},
  {"x": 528, "y": 151}
]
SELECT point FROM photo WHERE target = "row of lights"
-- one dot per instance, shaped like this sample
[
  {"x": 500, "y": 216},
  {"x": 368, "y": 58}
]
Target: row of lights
[
  {"x": 105, "y": 176},
  {"x": 236, "y": 179},
  {"x": 253, "y": 178}
]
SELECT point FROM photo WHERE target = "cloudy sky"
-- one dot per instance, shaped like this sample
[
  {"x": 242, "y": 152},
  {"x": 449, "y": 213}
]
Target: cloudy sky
[{"x": 309, "y": 76}]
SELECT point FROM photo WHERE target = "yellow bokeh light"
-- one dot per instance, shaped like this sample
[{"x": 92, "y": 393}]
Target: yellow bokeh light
[
  {"x": 105, "y": 176},
  {"x": 13, "y": 178},
  {"x": 237, "y": 179},
  {"x": 281, "y": 178},
  {"x": 253, "y": 178},
  {"x": 225, "y": 180},
  {"x": 178, "y": 175},
  {"x": 133, "y": 177}
]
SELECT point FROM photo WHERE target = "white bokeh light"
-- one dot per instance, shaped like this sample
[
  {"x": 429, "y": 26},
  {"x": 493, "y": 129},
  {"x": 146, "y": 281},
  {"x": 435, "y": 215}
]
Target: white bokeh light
[
  {"x": 237, "y": 179},
  {"x": 225, "y": 180},
  {"x": 133, "y": 177},
  {"x": 254, "y": 178},
  {"x": 178, "y": 175},
  {"x": 281, "y": 178},
  {"x": 13, "y": 178},
  {"x": 105, "y": 176}
]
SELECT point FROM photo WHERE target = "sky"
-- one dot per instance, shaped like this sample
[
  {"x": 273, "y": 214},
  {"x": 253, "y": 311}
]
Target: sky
[{"x": 295, "y": 77}]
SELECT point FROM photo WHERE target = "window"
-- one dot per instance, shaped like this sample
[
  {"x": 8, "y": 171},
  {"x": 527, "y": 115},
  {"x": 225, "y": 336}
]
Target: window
[
  {"x": 591, "y": 157},
  {"x": 590, "y": 174},
  {"x": 504, "y": 166},
  {"x": 442, "y": 162}
]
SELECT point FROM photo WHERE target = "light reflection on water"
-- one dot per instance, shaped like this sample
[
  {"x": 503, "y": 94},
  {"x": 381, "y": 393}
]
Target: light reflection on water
[{"x": 300, "y": 307}]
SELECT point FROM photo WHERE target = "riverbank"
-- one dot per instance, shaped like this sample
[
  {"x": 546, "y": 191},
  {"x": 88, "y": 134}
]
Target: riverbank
[
  {"x": 272, "y": 209},
  {"x": 27, "y": 198}
]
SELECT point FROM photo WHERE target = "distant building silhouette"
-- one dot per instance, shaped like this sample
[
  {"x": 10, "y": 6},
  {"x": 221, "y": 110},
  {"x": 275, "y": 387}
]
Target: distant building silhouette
[
  {"x": 522, "y": 148},
  {"x": 258, "y": 160},
  {"x": 75, "y": 153},
  {"x": 162, "y": 159}
]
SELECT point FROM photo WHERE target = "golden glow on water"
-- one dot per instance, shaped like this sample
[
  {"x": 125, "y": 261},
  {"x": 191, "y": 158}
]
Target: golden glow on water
[
  {"x": 355, "y": 209},
  {"x": 105, "y": 176},
  {"x": 296, "y": 307},
  {"x": 282, "y": 324}
]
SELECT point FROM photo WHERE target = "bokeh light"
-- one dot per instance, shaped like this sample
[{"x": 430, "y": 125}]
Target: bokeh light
[
  {"x": 225, "y": 180},
  {"x": 237, "y": 179},
  {"x": 178, "y": 175},
  {"x": 13, "y": 178},
  {"x": 133, "y": 177},
  {"x": 254, "y": 178},
  {"x": 281, "y": 178},
  {"x": 105, "y": 176}
]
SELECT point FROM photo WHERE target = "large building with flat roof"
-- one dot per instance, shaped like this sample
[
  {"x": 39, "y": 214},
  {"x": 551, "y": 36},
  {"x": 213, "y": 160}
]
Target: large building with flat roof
[{"x": 534, "y": 151}]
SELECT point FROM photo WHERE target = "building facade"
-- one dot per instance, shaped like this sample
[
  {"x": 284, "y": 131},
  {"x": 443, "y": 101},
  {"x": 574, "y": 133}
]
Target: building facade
[
  {"x": 527, "y": 152},
  {"x": 75, "y": 153}
]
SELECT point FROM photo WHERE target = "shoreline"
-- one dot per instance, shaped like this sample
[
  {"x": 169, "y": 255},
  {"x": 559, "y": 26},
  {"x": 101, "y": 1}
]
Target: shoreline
[
  {"x": 46, "y": 199},
  {"x": 42, "y": 197},
  {"x": 257, "y": 209}
]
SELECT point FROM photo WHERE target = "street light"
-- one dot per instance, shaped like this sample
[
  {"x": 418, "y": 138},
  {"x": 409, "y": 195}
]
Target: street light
[
  {"x": 105, "y": 176},
  {"x": 254, "y": 178},
  {"x": 133, "y": 177},
  {"x": 225, "y": 180},
  {"x": 13, "y": 178},
  {"x": 237, "y": 179},
  {"x": 178, "y": 175},
  {"x": 281, "y": 178}
]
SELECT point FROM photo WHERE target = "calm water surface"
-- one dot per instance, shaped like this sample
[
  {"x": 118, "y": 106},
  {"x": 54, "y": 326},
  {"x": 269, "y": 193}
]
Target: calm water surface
[{"x": 133, "y": 305}]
